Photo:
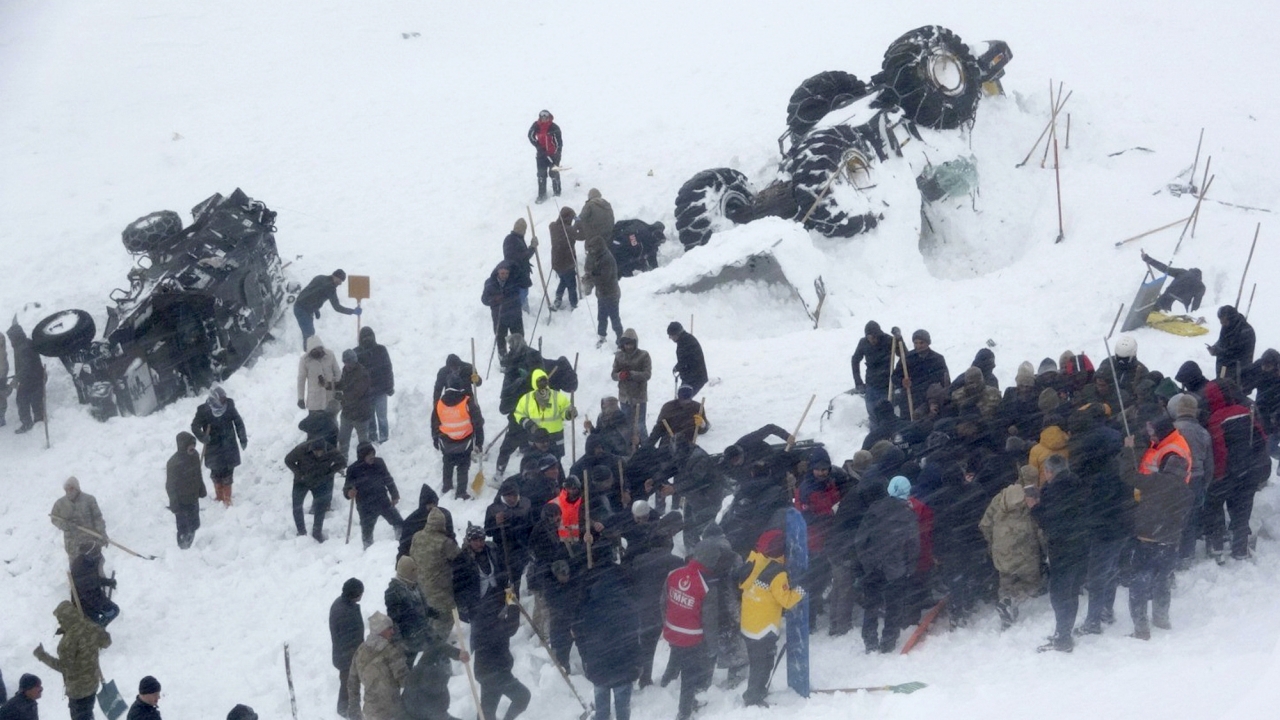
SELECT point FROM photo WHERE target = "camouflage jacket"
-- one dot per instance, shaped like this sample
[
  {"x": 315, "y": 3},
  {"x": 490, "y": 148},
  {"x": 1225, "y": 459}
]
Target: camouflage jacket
[
  {"x": 77, "y": 658},
  {"x": 380, "y": 667}
]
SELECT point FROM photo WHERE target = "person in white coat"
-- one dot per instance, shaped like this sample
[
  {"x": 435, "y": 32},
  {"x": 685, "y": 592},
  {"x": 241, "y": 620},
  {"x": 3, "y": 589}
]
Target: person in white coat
[{"x": 317, "y": 372}]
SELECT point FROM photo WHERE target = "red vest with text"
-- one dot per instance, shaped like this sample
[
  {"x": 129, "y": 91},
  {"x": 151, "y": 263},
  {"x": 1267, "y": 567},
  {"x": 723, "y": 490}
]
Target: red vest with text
[{"x": 686, "y": 590}]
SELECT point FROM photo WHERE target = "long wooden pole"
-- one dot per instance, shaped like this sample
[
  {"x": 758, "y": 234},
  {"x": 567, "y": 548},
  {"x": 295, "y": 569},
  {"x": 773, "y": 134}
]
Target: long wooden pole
[
  {"x": 537, "y": 255},
  {"x": 471, "y": 676},
  {"x": 791, "y": 441},
  {"x": 1247, "y": 263},
  {"x": 906, "y": 376},
  {"x": 573, "y": 422}
]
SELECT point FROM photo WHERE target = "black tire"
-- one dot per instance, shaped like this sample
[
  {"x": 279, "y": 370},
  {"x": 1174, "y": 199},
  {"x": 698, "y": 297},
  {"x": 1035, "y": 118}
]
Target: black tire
[
  {"x": 712, "y": 200},
  {"x": 818, "y": 96},
  {"x": 149, "y": 231},
  {"x": 63, "y": 333},
  {"x": 827, "y": 157},
  {"x": 933, "y": 77}
]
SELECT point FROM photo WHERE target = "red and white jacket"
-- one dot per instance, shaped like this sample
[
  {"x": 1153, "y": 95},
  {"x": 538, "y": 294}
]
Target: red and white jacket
[{"x": 686, "y": 592}]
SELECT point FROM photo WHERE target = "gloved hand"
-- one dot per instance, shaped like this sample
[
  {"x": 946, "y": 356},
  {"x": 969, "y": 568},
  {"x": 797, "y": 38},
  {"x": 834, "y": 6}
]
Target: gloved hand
[
  {"x": 699, "y": 421},
  {"x": 570, "y": 412},
  {"x": 475, "y": 378},
  {"x": 302, "y": 405},
  {"x": 533, "y": 244},
  {"x": 391, "y": 392},
  {"x": 477, "y": 454},
  {"x": 624, "y": 375},
  {"x": 358, "y": 311},
  {"x": 317, "y": 314},
  {"x": 436, "y": 441},
  {"x": 109, "y": 582},
  {"x": 528, "y": 424},
  {"x": 244, "y": 443}
]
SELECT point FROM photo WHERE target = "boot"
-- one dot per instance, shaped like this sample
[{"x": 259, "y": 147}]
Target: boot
[
  {"x": 555, "y": 186},
  {"x": 1008, "y": 613},
  {"x": 601, "y": 341},
  {"x": 542, "y": 190},
  {"x": 316, "y": 531},
  {"x": 1160, "y": 611},
  {"x": 1141, "y": 626},
  {"x": 25, "y": 427},
  {"x": 1059, "y": 643}
]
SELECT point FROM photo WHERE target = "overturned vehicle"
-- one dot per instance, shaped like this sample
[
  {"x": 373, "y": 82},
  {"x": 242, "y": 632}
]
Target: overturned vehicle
[
  {"x": 200, "y": 301},
  {"x": 845, "y": 138}
]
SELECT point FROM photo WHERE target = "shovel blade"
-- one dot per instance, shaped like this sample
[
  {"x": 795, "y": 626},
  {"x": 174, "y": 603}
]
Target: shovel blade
[
  {"x": 477, "y": 483},
  {"x": 113, "y": 706}
]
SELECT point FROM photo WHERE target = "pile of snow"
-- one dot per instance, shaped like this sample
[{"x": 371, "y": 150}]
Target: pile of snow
[{"x": 390, "y": 138}]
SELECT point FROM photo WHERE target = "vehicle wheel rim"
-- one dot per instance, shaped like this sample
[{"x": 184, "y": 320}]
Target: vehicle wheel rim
[
  {"x": 946, "y": 73},
  {"x": 61, "y": 324}
]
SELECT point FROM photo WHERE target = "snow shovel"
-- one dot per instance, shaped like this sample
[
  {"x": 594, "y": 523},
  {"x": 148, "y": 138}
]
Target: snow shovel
[
  {"x": 113, "y": 706},
  {"x": 903, "y": 689},
  {"x": 923, "y": 626}
]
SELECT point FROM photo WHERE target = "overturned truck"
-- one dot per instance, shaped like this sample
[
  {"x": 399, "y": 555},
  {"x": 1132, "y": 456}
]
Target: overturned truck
[
  {"x": 200, "y": 301},
  {"x": 840, "y": 129}
]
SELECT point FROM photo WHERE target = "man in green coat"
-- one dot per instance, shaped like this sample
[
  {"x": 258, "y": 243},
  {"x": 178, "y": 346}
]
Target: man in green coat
[{"x": 77, "y": 658}]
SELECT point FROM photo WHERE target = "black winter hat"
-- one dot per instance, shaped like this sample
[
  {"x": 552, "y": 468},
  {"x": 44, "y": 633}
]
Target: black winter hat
[
  {"x": 922, "y": 335},
  {"x": 340, "y": 274},
  {"x": 242, "y": 712},
  {"x": 547, "y": 461},
  {"x": 474, "y": 532},
  {"x": 148, "y": 685},
  {"x": 364, "y": 449},
  {"x": 427, "y": 496},
  {"x": 27, "y": 682},
  {"x": 675, "y": 328},
  {"x": 352, "y": 588},
  {"x": 510, "y": 486},
  {"x": 872, "y": 328}
]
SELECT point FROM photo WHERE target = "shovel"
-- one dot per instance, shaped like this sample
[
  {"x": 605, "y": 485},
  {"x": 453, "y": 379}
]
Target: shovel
[
  {"x": 903, "y": 689},
  {"x": 113, "y": 706}
]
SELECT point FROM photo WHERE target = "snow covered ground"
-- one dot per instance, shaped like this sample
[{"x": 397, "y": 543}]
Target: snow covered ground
[{"x": 389, "y": 136}]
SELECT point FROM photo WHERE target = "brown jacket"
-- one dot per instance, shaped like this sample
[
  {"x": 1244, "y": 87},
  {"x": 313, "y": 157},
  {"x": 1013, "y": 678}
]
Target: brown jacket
[{"x": 564, "y": 233}]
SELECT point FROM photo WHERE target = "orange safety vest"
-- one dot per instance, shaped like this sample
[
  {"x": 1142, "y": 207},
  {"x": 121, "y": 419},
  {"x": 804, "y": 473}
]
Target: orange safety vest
[
  {"x": 1173, "y": 444},
  {"x": 455, "y": 420},
  {"x": 569, "y": 509}
]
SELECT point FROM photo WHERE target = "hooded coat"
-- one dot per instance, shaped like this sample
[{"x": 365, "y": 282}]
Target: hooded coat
[
  {"x": 596, "y": 222},
  {"x": 311, "y": 471},
  {"x": 357, "y": 393},
  {"x": 516, "y": 253},
  {"x": 888, "y": 539},
  {"x": 1012, "y": 535},
  {"x": 600, "y": 270},
  {"x": 1053, "y": 441},
  {"x": 223, "y": 435},
  {"x": 564, "y": 233},
  {"x": 639, "y": 368},
  {"x": 1236, "y": 340},
  {"x": 184, "y": 480},
  {"x": 375, "y": 359},
  {"x": 417, "y": 519},
  {"x": 434, "y": 551},
  {"x": 380, "y": 667},
  {"x": 311, "y": 388},
  {"x": 78, "y": 648},
  {"x": 406, "y": 606},
  {"x": 549, "y": 416}
]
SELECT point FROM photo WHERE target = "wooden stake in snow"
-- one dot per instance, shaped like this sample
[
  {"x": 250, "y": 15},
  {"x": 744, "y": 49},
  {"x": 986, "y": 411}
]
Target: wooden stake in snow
[
  {"x": 1057, "y": 179},
  {"x": 1247, "y": 263}
]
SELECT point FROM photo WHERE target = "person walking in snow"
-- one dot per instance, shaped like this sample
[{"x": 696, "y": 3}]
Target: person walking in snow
[
  {"x": 318, "y": 370},
  {"x": 382, "y": 381},
  {"x": 691, "y": 622},
  {"x": 321, "y": 289},
  {"x": 29, "y": 377},
  {"x": 184, "y": 484},
  {"x": 355, "y": 391},
  {"x": 691, "y": 365},
  {"x": 73, "y": 514},
  {"x": 370, "y": 485},
  {"x": 875, "y": 348},
  {"x": 502, "y": 295},
  {"x": 457, "y": 429},
  {"x": 600, "y": 274},
  {"x": 565, "y": 234},
  {"x": 545, "y": 137},
  {"x": 346, "y": 632},
  {"x": 632, "y": 369},
  {"x": 607, "y": 631},
  {"x": 517, "y": 253},
  {"x": 313, "y": 464},
  {"x": 77, "y": 658},
  {"x": 217, "y": 424}
]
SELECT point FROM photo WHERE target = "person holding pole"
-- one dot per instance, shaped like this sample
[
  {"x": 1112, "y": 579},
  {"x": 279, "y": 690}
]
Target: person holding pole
[
  {"x": 632, "y": 369},
  {"x": 517, "y": 253},
  {"x": 923, "y": 368},
  {"x": 74, "y": 512},
  {"x": 321, "y": 289},
  {"x": 875, "y": 349},
  {"x": 564, "y": 258}
]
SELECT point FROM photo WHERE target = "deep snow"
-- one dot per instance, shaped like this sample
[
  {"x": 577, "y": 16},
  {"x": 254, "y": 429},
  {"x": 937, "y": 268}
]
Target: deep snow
[{"x": 404, "y": 158}]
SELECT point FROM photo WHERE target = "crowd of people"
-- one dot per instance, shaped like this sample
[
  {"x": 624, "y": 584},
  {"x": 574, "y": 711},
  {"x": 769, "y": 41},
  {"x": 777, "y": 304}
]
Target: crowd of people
[{"x": 963, "y": 495}]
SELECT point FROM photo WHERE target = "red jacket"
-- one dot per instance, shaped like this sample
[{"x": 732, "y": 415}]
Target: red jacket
[
  {"x": 686, "y": 591},
  {"x": 924, "y": 515}
]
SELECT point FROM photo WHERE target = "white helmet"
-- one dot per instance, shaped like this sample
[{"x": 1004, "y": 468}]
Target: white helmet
[{"x": 1126, "y": 347}]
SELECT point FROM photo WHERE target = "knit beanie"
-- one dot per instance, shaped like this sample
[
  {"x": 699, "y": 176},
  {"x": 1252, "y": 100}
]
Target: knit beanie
[
  {"x": 148, "y": 685},
  {"x": 900, "y": 487},
  {"x": 1026, "y": 376}
]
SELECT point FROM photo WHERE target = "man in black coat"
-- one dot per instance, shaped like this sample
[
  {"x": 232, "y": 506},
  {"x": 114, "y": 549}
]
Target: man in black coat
[
  {"x": 407, "y": 608},
  {"x": 147, "y": 704},
  {"x": 691, "y": 366},
  {"x": 924, "y": 369},
  {"x": 374, "y": 491},
  {"x": 504, "y": 297},
  {"x": 508, "y": 522},
  {"x": 480, "y": 589},
  {"x": 607, "y": 631},
  {"x": 382, "y": 380},
  {"x": 86, "y": 574},
  {"x": 29, "y": 376},
  {"x": 218, "y": 425},
  {"x": 22, "y": 706},
  {"x": 887, "y": 545},
  {"x": 184, "y": 484},
  {"x": 457, "y": 373},
  {"x": 517, "y": 254},
  {"x": 346, "y": 631},
  {"x": 1094, "y": 449},
  {"x": 313, "y": 464},
  {"x": 1234, "y": 349},
  {"x": 635, "y": 245},
  {"x": 876, "y": 350},
  {"x": 1187, "y": 286},
  {"x": 357, "y": 403},
  {"x": 1264, "y": 376},
  {"x": 321, "y": 289},
  {"x": 1063, "y": 514}
]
